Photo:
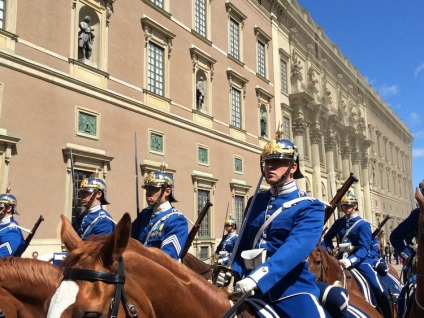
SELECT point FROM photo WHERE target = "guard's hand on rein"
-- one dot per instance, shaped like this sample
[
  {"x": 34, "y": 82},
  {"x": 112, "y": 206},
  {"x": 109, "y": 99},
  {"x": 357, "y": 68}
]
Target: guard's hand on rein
[
  {"x": 245, "y": 285},
  {"x": 346, "y": 263},
  {"x": 223, "y": 278}
]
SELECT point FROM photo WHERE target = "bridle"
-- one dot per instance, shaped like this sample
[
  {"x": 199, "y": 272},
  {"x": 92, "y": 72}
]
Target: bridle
[{"x": 108, "y": 278}]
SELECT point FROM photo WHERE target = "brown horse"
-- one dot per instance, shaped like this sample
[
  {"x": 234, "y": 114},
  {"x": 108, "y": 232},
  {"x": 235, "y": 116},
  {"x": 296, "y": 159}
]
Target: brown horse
[
  {"x": 198, "y": 266},
  {"x": 327, "y": 269},
  {"x": 417, "y": 306},
  {"x": 26, "y": 285},
  {"x": 147, "y": 280}
]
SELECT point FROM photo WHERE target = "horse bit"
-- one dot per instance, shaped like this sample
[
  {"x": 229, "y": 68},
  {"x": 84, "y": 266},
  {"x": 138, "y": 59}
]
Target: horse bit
[{"x": 108, "y": 278}]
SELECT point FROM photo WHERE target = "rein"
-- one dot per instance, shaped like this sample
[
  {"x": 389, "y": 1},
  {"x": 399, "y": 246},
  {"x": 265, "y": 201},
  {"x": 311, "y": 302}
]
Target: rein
[{"x": 108, "y": 278}]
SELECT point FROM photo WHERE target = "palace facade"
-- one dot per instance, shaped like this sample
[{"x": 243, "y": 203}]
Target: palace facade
[{"x": 201, "y": 85}]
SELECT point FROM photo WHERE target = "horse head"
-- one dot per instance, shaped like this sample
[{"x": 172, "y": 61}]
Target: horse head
[{"x": 148, "y": 280}]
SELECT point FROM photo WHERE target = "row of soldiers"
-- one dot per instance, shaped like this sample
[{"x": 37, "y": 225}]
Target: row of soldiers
[{"x": 281, "y": 228}]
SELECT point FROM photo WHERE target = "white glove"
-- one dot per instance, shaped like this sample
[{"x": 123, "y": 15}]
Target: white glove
[
  {"x": 346, "y": 263},
  {"x": 245, "y": 285},
  {"x": 223, "y": 278},
  {"x": 223, "y": 253},
  {"x": 220, "y": 261}
]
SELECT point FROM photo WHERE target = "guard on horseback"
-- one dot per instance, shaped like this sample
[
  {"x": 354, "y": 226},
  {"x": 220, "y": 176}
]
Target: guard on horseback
[
  {"x": 283, "y": 226},
  {"x": 161, "y": 225},
  {"x": 401, "y": 239},
  {"x": 225, "y": 248},
  {"x": 402, "y": 235},
  {"x": 94, "y": 220},
  {"x": 11, "y": 238},
  {"x": 354, "y": 235}
]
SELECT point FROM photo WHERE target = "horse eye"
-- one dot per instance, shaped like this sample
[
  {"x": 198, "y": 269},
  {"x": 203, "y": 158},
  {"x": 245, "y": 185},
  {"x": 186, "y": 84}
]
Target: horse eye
[
  {"x": 318, "y": 262},
  {"x": 92, "y": 315}
]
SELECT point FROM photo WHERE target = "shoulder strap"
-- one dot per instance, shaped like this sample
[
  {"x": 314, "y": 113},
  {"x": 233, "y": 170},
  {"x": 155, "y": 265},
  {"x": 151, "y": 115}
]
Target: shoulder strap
[
  {"x": 348, "y": 231},
  {"x": 102, "y": 215},
  {"x": 163, "y": 219},
  {"x": 285, "y": 205}
]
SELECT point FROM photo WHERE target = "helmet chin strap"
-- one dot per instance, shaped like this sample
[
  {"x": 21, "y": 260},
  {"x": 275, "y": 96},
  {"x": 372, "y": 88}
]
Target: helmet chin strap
[
  {"x": 162, "y": 191},
  {"x": 286, "y": 174},
  {"x": 93, "y": 196}
]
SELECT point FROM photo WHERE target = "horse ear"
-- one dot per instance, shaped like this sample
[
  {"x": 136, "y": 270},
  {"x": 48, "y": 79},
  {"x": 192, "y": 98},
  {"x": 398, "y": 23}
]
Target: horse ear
[
  {"x": 117, "y": 242},
  {"x": 69, "y": 237}
]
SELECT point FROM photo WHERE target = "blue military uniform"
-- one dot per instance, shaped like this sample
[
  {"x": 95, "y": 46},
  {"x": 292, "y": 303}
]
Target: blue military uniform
[
  {"x": 283, "y": 279},
  {"x": 403, "y": 232},
  {"x": 11, "y": 238},
  {"x": 225, "y": 248},
  {"x": 379, "y": 263},
  {"x": 94, "y": 221},
  {"x": 357, "y": 231},
  {"x": 163, "y": 227}
]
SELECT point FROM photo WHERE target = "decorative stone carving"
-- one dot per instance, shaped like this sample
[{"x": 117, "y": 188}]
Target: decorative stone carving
[
  {"x": 299, "y": 126},
  {"x": 312, "y": 78},
  {"x": 296, "y": 67}
]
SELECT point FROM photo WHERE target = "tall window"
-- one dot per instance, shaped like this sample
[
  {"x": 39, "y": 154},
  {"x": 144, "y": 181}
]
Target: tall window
[
  {"x": 238, "y": 210},
  {"x": 235, "y": 108},
  {"x": 286, "y": 127},
  {"x": 202, "y": 198},
  {"x": 155, "y": 69},
  {"x": 234, "y": 39},
  {"x": 200, "y": 17},
  {"x": 261, "y": 59},
  {"x": 2, "y": 14},
  {"x": 283, "y": 71},
  {"x": 159, "y": 3}
]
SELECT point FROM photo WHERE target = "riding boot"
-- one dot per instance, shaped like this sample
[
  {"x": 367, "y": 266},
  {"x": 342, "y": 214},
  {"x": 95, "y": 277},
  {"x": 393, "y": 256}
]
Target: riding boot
[{"x": 384, "y": 305}]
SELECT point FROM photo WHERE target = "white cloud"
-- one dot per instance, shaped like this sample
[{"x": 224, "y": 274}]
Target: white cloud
[
  {"x": 418, "y": 70},
  {"x": 414, "y": 118},
  {"x": 418, "y": 152},
  {"x": 388, "y": 90},
  {"x": 418, "y": 134}
]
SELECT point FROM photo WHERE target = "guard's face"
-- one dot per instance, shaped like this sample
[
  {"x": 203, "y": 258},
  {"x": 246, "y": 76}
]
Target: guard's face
[
  {"x": 153, "y": 194},
  {"x": 276, "y": 168},
  {"x": 349, "y": 209},
  {"x": 86, "y": 196}
]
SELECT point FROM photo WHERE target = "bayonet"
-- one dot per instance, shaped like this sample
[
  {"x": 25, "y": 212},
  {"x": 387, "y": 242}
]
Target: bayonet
[{"x": 136, "y": 173}]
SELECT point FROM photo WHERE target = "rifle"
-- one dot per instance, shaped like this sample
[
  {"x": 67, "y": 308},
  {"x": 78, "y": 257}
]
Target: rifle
[
  {"x": 226, "y": 216},
  {"x": 31, "y": 235},
  {"x": 329, "y": 210},
  {"x": 195, "y": 228},
  {"x": 136, "y": 172},
  {"x": 380, "y": 226},
  {"x": 74, "y": 186}
]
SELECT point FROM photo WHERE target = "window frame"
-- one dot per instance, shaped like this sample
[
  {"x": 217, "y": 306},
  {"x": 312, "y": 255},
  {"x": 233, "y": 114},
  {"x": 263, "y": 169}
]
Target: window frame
[
  {"x": 238, "y": 17},
  {"x": 161, "y": 37}
]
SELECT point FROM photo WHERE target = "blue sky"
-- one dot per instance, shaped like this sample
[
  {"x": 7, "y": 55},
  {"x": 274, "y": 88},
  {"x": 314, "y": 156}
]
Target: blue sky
[{"x": 384, "y": 39}]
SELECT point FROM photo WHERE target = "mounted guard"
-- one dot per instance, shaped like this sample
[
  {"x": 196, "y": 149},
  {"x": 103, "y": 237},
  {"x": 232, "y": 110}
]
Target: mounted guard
[
  {"x": 11, "y": 238},
  {"x": 282, "y": 227},
  {"x": 94, "y": 220},
  {"x": 226, "y": 246},
  {"x": 161, "y": 225}
]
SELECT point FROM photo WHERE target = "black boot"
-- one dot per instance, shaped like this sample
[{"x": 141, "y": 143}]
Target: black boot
[{"x": 384, "y": 305}]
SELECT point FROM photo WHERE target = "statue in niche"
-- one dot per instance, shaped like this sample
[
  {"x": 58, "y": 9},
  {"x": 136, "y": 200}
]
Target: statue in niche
[
  {"x": 86, "y": 38},
  {"x": 296, "y": 68},
  {"x": 200, "y": 93},
  {"x": 312, "y": 78},
  {"x": 264, "y": 124}
]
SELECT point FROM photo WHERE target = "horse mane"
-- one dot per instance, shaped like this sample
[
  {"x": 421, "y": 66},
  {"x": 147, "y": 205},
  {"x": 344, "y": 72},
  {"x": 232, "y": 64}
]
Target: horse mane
[{"x": 33, "y": 272}]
